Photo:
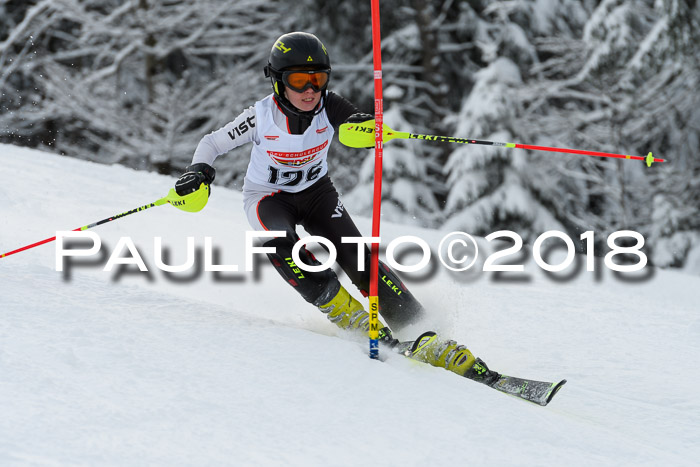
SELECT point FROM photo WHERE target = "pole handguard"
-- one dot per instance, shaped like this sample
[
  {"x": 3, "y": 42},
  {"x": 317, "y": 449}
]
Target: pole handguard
[{"x": 192, "y": 202}]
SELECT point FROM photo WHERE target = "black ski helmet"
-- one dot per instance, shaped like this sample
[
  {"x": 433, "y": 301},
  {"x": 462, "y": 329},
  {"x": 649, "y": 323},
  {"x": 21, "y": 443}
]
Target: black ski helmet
[{"x": 296, "y": 49}]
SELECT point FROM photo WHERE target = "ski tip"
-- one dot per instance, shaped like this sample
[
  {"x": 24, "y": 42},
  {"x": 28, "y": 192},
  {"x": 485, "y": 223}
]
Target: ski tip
[{"x": 555, "y": 390}]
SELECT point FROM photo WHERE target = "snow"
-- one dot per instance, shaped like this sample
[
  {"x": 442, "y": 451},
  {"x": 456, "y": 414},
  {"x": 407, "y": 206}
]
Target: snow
[{"x": 102, "y": 368}]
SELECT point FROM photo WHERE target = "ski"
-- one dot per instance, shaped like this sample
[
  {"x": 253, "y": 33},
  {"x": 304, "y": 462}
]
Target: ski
[{"x": 537, "y": 392}]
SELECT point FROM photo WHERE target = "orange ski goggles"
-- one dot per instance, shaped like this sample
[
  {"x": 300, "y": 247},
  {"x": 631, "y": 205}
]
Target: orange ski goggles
[{"x": 301, "y": 80}]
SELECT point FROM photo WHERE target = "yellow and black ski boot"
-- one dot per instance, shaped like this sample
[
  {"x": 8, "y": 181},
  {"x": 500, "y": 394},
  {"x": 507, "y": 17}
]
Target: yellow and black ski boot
[
  {"x": 429, "y": 348},
  {"x": 345, "y": 311},
  {"x": 348, "y": 313}
]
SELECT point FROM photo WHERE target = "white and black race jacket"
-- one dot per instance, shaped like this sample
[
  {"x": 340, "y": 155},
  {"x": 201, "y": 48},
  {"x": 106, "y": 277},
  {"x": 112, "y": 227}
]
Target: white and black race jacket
[{"x": 289, "y": 153}]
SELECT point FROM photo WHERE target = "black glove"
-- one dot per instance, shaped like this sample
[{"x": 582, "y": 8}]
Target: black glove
[
  {"x": 359, "y": 118},
  {"x": 194, "y": 176}
]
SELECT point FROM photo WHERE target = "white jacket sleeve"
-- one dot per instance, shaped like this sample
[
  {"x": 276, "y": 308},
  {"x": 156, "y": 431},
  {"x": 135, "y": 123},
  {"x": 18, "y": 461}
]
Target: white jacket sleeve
[{"x": 236, "y": 133}]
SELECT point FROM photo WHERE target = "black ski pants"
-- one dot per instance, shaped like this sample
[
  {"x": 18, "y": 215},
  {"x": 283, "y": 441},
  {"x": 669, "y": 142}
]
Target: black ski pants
[{"x": 319, "y": 210}]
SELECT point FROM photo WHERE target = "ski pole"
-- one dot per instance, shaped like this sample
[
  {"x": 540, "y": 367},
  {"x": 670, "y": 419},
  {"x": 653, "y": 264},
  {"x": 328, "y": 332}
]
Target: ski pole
[
  {"x": 361, "y": 135},
  {"x": 192, "y": 202}
]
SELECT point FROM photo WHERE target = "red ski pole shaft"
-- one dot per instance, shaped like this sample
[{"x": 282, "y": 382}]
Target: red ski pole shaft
[
  {"x": 649, "y": 158},
  {"x": 89, "y": 226}
]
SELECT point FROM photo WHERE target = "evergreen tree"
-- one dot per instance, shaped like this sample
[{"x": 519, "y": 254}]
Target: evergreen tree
[
  {"x": 628, "y": 85},
  {"x": 671, "y": 116},
  {"x": 140, "y": 82},
  {"x": 428, "y": 57},
  {"x": 136, "y": 82},
  {"x": 493, "y": 188}
]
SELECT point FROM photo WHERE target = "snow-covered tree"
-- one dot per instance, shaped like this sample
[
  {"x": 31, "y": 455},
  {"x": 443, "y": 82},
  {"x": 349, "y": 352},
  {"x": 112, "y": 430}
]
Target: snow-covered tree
[
  {"x": 140, "y": 81},
  {"x": 628, "y": 85},
  {"x": 670, "y": 115},
  {"x": 493, "y": 188},
  {"x": 427, "y": 56},
  {"x": 135, "y": 82},
  {"x": 490, "y": 188}
]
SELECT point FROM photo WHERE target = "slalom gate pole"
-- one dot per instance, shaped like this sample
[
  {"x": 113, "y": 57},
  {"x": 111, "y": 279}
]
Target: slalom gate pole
[
  {"x": 191, "y": 203},
  {"x": 377, "y": 201},
  {"x": 358, "y": 135}
]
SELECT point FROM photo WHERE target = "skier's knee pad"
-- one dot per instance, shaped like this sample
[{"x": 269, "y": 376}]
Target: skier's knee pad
[{"x": 316, "y": 288}]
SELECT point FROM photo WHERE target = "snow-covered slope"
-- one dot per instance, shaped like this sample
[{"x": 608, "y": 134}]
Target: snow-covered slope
[{"x": 103, "y": 368}]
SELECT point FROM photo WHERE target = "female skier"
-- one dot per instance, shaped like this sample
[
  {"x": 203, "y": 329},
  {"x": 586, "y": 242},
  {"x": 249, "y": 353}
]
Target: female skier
[{"x": 287, "y": 184}]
